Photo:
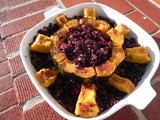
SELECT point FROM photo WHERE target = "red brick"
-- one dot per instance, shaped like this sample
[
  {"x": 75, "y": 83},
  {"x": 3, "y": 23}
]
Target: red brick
[
  {"x": 41, "y": 111},
  {"x": 152, "y": 111},
  {"x": 24, "y": 89},
  {"x": 20, "y": 25},
  {"x": 3, "y": 55},
  {"x": 148, "y": 8},
  {"x": 125, "y": 113},
  {"x": 69, "y": 3},
  {"x": 16, "y": 66},
  {"x": 143, "y": 22},
  {"x": 9, "y": 3},
  {"x": 1, "y": 45},
  {"x": 156, "y": 37},
  {"x": 4, "y": 68},
  {"x": 119, "y": 5},
  {"x": 12, "y": 43},
  {"x": 25, "y": 9},
  {"x": 7, "y": 99},
  {"x": 157, "y": 73},
  {"x": 6, "y": 83},
  {"x": 14, "y": 113}
]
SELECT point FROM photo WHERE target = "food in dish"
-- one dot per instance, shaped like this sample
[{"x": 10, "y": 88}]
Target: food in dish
[{"x": 89, "y": 53}]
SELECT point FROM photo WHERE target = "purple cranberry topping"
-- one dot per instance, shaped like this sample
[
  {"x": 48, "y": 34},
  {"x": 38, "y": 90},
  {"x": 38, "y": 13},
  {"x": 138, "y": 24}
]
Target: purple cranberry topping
[{"x": 86, "y": 46}]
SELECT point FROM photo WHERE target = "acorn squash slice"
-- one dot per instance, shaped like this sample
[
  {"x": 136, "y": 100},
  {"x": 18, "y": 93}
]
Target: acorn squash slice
[
  {"x": 120, "y": 83},
  {"x": 69, "y": 67},
  {"x": 137, "y": 55},
  {"x": 122, "y": 29},
  {"x": 46, "y": 77},
  {"x": 105, "y": 69},
  {"x": 101, "y": 25},
  {"x": 71, "y": 23},
  {"x": 61, "y": 20},
  {"x": 56, "y": 53},
  {"x": 42, "y": 44},
  {"x": 118, "y": 55},
  {"x": 116, "y": 37},
  {"x": 89, "y": 13},
  {"x": 86, "y": 105},
  {"x": 86, "y": 21}
]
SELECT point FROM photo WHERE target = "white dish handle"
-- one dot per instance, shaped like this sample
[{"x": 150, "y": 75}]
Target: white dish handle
[
  {"x": 142, "y": 96},
  {"x": 60, "y": 4},
  {"x": 53, "y": 11}
]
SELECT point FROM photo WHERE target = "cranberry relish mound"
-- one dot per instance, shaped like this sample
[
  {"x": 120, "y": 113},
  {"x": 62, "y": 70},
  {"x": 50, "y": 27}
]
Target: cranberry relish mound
[{"x": 90, "y": 65}]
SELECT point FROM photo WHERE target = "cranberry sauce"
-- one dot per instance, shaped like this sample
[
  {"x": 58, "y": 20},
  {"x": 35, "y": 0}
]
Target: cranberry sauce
[{"x": 86, "y": 46}]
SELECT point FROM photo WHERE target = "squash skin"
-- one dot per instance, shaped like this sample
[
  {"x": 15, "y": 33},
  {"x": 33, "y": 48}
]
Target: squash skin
[
  {"x": 105, "y": 69},
  {"x": 69, "y": 68},
  {"x": 56, "y": 53},
  {"x": 118, "y": 55}
]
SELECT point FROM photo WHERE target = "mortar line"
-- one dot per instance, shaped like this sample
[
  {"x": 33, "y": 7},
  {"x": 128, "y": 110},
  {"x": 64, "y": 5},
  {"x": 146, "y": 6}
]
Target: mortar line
[
  {"x": 18, "y": 5},
  {"x": 139, "y": 113},
  {"x": 143, "y": 14},
  {"x": 7, "y": 109},
  {"x": 32, "y": 102},
  {"x": 156, "y": 4}
]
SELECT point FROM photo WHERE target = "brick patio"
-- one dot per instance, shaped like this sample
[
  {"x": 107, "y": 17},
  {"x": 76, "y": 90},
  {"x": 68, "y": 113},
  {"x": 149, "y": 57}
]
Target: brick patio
[{"x": 18, "y": 95}]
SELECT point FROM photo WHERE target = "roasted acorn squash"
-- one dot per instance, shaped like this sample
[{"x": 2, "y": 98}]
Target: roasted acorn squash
[
  {"x": 46, "y": 77},
  {"x": 69, "y": 67},
  {"x": 137, "y": 55},
  {"x": 122, "y": 84},
  {"x": 42, "y": 44},
  {"x": 86, "y": 105}
]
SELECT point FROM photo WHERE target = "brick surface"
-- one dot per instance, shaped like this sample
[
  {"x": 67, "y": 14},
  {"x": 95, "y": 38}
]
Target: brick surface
[
  {"x": 4, "y": 68},
  {"x": 14, "y": 113},
  {"x": 1, "y": 45},
  {"x": 20, "y": 25},
  {"x": 148, "y": 8},
  {"x": 25, "y": 9},
  {"x": 12, "y": 43},
  {"x": 17, "y": 67},
  {"x": 17, "y": 16},
  {"x": 152, "y": 111},
  {"x": 3, "y": 55},
  {"x": 125, "y": 113},
  {"x": 41, "y": 111},
  {"x": 119, "y": 5},
  {"x": 143, "y": 22},
  {"x": 157, "y": 72},
  {"x": 9, "y": 3},
  {"x": 6, "y": 83},
  {"x": 156, "y": 37},
  {"x": 24, "y": 89},
  {"x": 69, "y": 3},
  {"x": 7, "y": 99}
]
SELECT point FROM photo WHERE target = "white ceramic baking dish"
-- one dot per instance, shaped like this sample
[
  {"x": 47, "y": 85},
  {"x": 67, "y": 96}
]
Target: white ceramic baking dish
[{"x": 140, "y": 97}]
